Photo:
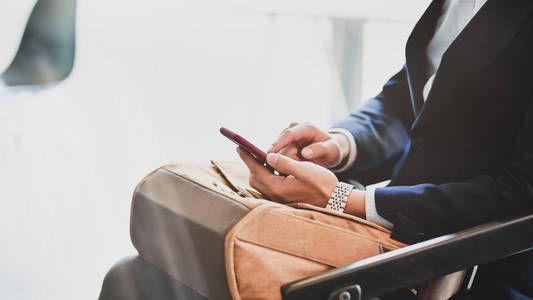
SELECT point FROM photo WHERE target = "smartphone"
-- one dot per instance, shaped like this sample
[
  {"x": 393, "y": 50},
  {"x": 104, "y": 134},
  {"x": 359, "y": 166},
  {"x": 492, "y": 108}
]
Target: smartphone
[
  {"x": 244, "y": 144},
  {"x": 255, "y": 152}
]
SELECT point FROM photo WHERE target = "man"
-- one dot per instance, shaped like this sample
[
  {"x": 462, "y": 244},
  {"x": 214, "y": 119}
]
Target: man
[{"x": 453, "y": 130}]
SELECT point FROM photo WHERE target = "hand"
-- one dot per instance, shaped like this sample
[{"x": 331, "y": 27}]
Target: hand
[
  {"x": 306, "y": 142},
  {"x": 306, "y": 182}
]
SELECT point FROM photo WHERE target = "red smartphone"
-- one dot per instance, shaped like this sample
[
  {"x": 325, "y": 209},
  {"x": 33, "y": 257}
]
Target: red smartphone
[
  {"x": 244, "y": 144},
  {"x": 257, "y": 153}
]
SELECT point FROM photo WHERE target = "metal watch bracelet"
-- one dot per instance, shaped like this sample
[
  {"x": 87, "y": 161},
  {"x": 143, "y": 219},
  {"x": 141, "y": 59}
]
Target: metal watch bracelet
[{"x": 339, "y": 197}]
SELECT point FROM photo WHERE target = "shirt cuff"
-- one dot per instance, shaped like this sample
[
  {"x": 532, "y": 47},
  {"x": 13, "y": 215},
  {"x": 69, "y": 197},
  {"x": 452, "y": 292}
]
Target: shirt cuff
[
  {"x": 371, "y": 211},
  {"x": 341, "y": 167}
]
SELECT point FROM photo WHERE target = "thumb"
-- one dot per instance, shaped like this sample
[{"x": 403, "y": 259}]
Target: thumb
[
  {"x": 287, "y": 165},
  {"x": 315, "y": 150},
  {"x": 325, "y": 151}
]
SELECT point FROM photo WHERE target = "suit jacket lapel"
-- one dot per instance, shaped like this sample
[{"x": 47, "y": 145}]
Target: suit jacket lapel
[
  {"x": 415, "y": 52},
  {"x": 473, "y": 51}
]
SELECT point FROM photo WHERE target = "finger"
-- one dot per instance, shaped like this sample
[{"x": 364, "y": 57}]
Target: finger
[
  {"x": 258, "y": 185},
  {"x": 295, "y": 134},
  {"x": 291, "y": 151},
  {"x": 261, "y": 178},
  {"x": 286, "y": 165},
  {"x": 324, "y": 152},
  {"x": 258, "y": 170},
  {"x": 255, "y": 166},
  {"x": 286, "y": 138},
  {"x": 315, "y": 150},
  {"x": 266, "y": 190}
]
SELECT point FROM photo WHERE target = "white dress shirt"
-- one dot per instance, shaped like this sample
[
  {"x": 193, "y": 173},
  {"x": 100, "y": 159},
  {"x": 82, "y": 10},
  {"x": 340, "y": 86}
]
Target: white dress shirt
[{"x": 456, "y": 15}]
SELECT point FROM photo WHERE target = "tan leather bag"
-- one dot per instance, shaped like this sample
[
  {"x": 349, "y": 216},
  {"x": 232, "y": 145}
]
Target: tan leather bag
[
  {"x": 270, "y": 245},
  {"x": 277, "y": 244},
  {"x": 273, "y": 245}
]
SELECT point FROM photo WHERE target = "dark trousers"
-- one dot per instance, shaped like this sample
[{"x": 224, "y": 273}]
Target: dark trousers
[
  {"x": 134, "y": 278},
  {"x": 509, "y": 278}
]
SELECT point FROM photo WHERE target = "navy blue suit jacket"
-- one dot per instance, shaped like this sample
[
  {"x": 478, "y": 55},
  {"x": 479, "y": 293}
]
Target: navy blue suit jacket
[{"x": 465, "y": 156}]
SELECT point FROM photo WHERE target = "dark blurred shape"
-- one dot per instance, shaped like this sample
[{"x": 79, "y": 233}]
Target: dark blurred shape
[
  {"x": 46, "y": 51},
  {"x": 134, "y": 278}
]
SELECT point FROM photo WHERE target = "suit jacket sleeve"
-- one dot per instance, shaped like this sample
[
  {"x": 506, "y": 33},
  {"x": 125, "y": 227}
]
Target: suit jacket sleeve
[
  {"x": 380, "y": 129},
  {"x": 427, "y": 210}
]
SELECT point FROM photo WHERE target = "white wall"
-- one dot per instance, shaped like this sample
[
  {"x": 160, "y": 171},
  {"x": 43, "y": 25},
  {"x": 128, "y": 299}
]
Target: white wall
[{"x": 152, "y": 83}]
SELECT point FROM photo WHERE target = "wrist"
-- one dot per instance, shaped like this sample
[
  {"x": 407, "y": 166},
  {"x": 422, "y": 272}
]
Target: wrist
[
  {"x": 356, "y": 204},
  {"x": 328, "y": 190}
]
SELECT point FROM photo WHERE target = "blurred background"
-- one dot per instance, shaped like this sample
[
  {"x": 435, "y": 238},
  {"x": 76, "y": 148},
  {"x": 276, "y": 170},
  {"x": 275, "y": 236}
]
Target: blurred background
[{"x": 95, "y": 94}]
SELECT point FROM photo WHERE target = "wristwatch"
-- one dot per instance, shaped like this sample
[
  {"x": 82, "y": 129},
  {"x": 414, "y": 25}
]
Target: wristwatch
[{"x": 339, "y": 197}]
